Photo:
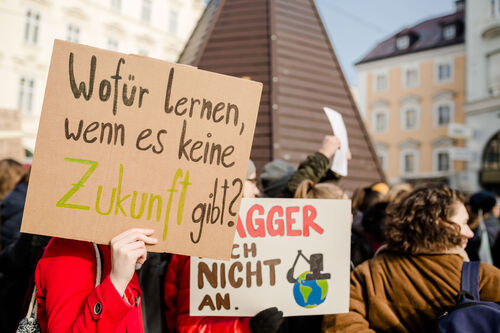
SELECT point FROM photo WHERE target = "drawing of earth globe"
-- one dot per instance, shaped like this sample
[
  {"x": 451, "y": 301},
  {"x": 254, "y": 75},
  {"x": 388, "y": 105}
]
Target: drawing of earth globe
[{"x": 309, "y": 293}]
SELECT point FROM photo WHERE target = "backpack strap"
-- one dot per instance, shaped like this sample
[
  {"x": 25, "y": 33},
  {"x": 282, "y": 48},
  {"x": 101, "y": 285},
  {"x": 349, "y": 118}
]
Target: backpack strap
[
  {"x": 470, "y": 278},
  {"x": 99, "y": 265}
]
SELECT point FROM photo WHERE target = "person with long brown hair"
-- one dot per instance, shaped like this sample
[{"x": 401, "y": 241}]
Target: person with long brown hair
[
  {"x": 407, "y": 286},
  {"x": 10, "y": 173}
]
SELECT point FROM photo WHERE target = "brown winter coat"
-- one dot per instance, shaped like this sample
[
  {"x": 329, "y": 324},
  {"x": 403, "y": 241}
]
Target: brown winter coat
[{"x": 406, "y": 293}]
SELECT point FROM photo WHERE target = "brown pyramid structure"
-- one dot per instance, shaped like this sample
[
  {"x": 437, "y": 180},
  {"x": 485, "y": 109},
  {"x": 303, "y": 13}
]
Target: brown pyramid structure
[{"x": 284, "y": 45}]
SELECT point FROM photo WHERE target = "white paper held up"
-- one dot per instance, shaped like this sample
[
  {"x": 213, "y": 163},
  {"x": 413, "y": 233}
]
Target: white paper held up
[{"x": 339, "y": 164}]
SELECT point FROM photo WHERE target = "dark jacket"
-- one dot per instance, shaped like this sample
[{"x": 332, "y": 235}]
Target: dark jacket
[
  {"x": 11, "y": 214},
  {"x": 361, "y": 249},
  {"x": 495, "y": 252},
  {"x": 17, "y": 268},
  {"x": 152, "y": 280},
  {"x": 473, "y": 245},
  {"x": 18, "y": 259}
]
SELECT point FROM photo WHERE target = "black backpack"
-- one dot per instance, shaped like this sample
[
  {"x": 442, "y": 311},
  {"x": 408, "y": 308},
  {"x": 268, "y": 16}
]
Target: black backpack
[{"x": 470, "y": 314}]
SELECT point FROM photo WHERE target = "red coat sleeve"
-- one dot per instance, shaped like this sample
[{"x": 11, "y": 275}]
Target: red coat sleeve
[
  {"x": 177, "y": 304},
  {"x": 66, "y": 293}
]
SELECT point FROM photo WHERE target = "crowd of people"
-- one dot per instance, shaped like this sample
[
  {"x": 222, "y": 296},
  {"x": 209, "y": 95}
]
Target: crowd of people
[{"x": 407, "y": 250}]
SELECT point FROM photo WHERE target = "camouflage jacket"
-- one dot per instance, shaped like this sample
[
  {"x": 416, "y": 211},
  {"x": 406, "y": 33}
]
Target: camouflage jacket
[{"x": 315, "y": 167}]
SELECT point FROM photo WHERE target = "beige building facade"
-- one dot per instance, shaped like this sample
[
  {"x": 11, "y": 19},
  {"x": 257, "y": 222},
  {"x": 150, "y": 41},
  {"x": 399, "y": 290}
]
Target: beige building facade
[{"x": 412, "y": 92}]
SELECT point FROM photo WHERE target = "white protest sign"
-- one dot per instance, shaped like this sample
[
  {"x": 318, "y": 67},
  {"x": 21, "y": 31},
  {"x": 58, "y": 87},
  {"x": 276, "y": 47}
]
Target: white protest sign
[
  {"x": 339, "y": 164},
  {"x": 288, "y": 253}
]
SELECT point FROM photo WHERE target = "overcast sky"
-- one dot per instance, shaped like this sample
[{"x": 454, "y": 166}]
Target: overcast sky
[{"x": 356, "y": 26}]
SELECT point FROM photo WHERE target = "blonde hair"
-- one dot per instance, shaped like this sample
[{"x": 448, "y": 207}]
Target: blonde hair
[
  {"x": 397, "y": 193},
  {"x": 310, "y": 190},
  {"x": 10, "y": 174}
]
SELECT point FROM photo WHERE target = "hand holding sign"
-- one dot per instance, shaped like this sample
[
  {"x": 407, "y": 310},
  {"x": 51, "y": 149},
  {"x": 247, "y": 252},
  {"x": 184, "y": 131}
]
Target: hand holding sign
[{"x": 127, "y": 250}]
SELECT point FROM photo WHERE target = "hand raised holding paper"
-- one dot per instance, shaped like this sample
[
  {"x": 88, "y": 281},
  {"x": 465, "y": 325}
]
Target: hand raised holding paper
[{"x": 329, "y": 146}]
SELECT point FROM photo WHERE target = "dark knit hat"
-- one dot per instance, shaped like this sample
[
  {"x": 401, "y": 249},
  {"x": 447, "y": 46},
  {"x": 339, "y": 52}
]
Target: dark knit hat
[
  {"x": 275, "y": 176},
  {"x": 482, "y": 200}
]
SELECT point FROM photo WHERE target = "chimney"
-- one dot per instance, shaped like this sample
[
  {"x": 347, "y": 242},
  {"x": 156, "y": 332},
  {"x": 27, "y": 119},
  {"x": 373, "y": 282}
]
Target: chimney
[{"x": 460, "y": 5}]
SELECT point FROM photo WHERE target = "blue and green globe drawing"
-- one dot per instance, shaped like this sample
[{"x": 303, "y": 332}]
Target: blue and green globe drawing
[{"x": 309, "y": 293}]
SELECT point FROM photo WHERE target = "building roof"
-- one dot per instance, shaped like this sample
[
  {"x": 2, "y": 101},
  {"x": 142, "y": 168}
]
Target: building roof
[
  {"x": 424, "y": 36},
  {"x": 284, "y": 45}
]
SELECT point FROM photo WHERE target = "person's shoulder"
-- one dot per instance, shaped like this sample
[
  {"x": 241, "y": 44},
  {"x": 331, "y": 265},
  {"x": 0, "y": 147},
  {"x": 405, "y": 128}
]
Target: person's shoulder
[
  {"x": 489, "y": 279},
  {"x": 17, "y": 196},
  {"x": 368, "y": 265},
  {"x": 66, "y": 249},
  {"x": 491, "y": 220},
  {"x": 488, "y": 270},
  {"x": 66, "y": 261},
  {"x": 384, "y": 260}
]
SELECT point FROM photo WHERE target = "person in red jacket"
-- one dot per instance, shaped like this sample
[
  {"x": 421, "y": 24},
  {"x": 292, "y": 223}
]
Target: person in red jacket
[
  {"x": 177, "y": 294},
  {"x": 65, "y": 279},
  {"x": 177, "y": 304}
]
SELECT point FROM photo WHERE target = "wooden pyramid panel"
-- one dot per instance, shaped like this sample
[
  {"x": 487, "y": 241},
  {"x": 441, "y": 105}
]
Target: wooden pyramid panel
[
  {"x": 307, "y": 77},
  {"x": 238, "y": 44},
  {"x": 283, "y": 44}
]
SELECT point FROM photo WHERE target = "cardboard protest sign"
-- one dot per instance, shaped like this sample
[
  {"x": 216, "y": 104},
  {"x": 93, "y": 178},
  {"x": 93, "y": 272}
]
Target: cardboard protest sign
[
  {"x": 11, "y": 145},
  {"x": 339, "y": 164},
  {"x": 290, "y": 253},
  {"x": 126, "y": 141}
]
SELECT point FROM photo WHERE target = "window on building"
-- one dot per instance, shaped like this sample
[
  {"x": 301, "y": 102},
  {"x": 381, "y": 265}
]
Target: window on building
[
  {"x": 495, "y": 8},
  {"x": 32, "y": 26},
  {"x": 493, "y": 65},
  {"x": 409, "y": 162},
  {"x": 116, "y": 4},
  {"x": 410, "y": 118},
  {"x": 449, "y": 32},
  {"x": 146, "y": 10},
  {"x": 491, "y": 153},
  {"x": 112, "y": 44},
  {"x": 380, "y": 121},
  {"x": 402, "y": 42},
  {"x": 381, "y": 82},
  {"x": 73, "y": 33},
  {"x": 172, "y": 21},
  {"x": 26, "y": 90},
  {"x": 444, "y": 72},
  {"x": 411, "y": 77},
  {"x": 444, "y": 115},
  {"x": 443, "y": 161}
]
